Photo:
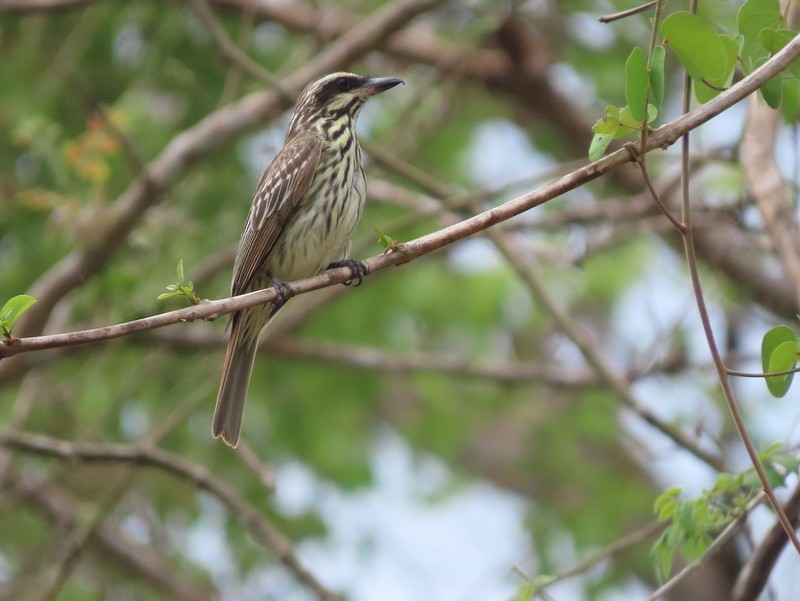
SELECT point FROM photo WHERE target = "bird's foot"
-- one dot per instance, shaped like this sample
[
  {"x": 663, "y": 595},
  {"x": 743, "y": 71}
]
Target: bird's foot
[
  {"x": 283, "y": 291},
  {"x": 358, "y": 269}
]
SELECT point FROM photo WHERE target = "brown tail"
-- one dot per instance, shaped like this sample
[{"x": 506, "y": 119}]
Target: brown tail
[{"x": 233, "y": 388}]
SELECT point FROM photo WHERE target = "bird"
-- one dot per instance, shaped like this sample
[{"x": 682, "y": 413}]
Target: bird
[{"x": 306, "y": 205}]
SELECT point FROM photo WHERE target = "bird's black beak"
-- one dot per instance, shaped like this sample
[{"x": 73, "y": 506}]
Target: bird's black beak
[{"x": 376, "y": 85}]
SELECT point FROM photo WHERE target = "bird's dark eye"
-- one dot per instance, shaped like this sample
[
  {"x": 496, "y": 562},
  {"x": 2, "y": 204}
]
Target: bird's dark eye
[{"x": 343, "y": 83}]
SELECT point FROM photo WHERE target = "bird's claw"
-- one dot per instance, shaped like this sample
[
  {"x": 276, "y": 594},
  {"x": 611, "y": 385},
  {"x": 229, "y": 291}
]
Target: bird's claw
[
  {"x": 358, "y": 269},
  {"x": 283, "y": 291}
]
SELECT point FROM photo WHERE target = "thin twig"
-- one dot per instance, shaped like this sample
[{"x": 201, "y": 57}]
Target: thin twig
[
  {"x": 235, "y": 54},
  {"x": 629, "y": 540},
  {"x": 627, "y": 13},
  {"x": 408, "y": 251},
  {"x": 747, "y": 374},
  {"x": 755, "y": 573},
  {"x": 727, "y": 389}
]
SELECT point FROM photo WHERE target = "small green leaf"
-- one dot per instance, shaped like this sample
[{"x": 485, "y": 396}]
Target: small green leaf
[
  {"x": 181, "y": 287},
  {"x": 599, "y": 144},
  {"x": 609, "y": 123},
  {"x": 694, "y": 546},
  {"x": 637, "y": 82},
  {"x": 628, "y": 120},
  {"x": 705, "y": 93},
  {"x": 790, "y": 102},
  {"x": 656, "y": 75},
  {"x": 525, "y": 592},
  {"x": 783, "y": 358},
  {"x": 667, "y": 502},
  {"x": 755, "y": 16},
  {"x": 12, "y": 311},
  {"x": 727, "y": 483},
  {"x": 788, "y": 462},
  {"x": 772, "y": 91},
  {"x": 686, "y": 516},
  {"x": 699, "y": 48},
  {"x": 779, "y": 353},
  {"x": 388, "y": 243},
  {"x": 774, "y": 40},
  {"x": 774, "y": 337},
  {"x": 770, "y": 451},
  {"x": 774, "y": 477},
  {"x": 664, "y": 554},
  {"x": 652, "y": 112}
]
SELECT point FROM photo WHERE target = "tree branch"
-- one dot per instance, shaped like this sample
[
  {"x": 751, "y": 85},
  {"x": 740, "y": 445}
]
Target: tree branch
[
  {"x": 261, "y": 528},
  {"x": 662, "y": 137},
  {"x": 205, "y": 137},
  {"x": 755, "y": 574},
  {"x": 143, "y": 561}
]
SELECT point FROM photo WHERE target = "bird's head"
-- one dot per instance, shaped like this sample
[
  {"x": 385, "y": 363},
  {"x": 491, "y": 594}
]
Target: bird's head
[{"x": 335, "y": 97}]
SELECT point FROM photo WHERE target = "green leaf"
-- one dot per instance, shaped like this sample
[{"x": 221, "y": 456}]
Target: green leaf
[
  {"x": 727, "y": 483},
  {"x": 783, "y": 358},
  {"x": 694, "y": 546},
  {"x": 754, "y": 17},
  {"x": 667, "y": 502},
  {"x": 13, "y": 310},
  {"x": 525, "y": 592},
  {"x": 790, "y": 102},
  {"x": 774, "y": 40},
  {"x": 779, "y": 353},
  {"x": 599, "y": 144},
  {"x": 774, "y": 477},
  {"x": 686, "y": 516},
  {"x": 772, "y": 91},
  {"x": 656, "y": 75},
  {"x": 637, "y": 82},
  {"x": 705, "y": 93},
  {"x": 699, "y": 48},
  {"x": 788, "y": 462},
  {"x": 609, "y": 123},
  {"x": 770, "y": 451},
  {"x": 774, "y": 337},
  {"x": 628, "y": 120},
  {"x": 663, "y": 552},
  {"x": 181, "y": 287},
  {"x": 385, "y": 239}
]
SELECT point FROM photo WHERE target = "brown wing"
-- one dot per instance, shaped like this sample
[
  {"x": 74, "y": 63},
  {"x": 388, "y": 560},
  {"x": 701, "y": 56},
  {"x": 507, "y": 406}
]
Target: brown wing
[{"x": 277, "y": 197}]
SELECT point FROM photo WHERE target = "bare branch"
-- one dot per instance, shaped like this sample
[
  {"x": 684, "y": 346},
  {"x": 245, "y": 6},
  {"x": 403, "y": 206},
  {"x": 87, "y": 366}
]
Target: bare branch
[
  {"x": 205, "y": 137},
  {"x": 257, "y": 524},
  {"x": 145, "y": 562},
  {"x": 627, "y": 13},
  {"x": 755, "y": 574},
  {"x": 664, "y": 136},
  {"x": 11, "y": 6}
]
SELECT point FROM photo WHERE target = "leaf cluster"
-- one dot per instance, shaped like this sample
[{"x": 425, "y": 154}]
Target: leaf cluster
[
  {"x": 710, "y": 59},
  {"x": 694, "y": 523}
]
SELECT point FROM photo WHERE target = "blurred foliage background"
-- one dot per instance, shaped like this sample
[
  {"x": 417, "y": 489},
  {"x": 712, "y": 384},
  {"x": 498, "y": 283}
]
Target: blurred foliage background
[{"x": 454, "y": 358}]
